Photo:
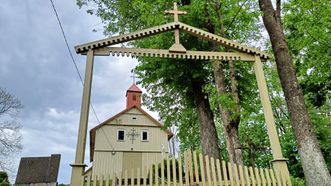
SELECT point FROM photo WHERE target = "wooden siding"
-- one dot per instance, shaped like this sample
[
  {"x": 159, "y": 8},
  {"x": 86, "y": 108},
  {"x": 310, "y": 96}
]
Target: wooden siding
[
  {"x": 157, "y": 137},
  {"x": 107, "y": 163}
]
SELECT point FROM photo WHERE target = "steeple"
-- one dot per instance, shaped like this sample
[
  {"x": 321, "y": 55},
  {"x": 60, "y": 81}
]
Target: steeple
[{"x": 133, "y": 96}]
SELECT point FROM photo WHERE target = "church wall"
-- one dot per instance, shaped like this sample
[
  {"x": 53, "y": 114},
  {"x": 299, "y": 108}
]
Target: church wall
[
  {"x": 105, "y": 163},
  {"x": 106, "y": 142},
  {"x": 157, "y": 137}
]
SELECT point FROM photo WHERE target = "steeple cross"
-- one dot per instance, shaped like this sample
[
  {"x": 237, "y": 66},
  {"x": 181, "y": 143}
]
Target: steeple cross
[
  {"x": 133, "y": 76},
  {"x": 176, "y": 12}
]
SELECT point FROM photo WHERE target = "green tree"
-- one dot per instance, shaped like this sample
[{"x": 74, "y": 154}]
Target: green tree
[
  {"x": 313, "y": 163},
  {"x": 4, "y": 181}
]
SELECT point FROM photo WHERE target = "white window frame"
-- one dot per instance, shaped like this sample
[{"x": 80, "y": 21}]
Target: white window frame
[
  {"x": 142, "y": 131},
  {"x": 117, "y": 134}
]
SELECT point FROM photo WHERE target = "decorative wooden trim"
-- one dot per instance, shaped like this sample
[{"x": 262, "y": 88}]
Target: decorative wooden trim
[
  {"x": 161, "y": 53},
  {"x": 82, "y": 49},
  {"x": 125, "y": 37},
  {"x": 222, "y": 41}
]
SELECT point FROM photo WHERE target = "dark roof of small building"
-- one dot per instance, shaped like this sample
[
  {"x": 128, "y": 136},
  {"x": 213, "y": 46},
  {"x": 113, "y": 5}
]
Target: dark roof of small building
[{"x": 38, "y": 169}]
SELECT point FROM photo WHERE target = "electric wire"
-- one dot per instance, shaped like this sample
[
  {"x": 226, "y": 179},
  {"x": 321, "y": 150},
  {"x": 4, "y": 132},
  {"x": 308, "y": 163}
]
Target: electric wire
[
  {"x": 71, "y": 55},
  {"x": 76, "y": 67}
]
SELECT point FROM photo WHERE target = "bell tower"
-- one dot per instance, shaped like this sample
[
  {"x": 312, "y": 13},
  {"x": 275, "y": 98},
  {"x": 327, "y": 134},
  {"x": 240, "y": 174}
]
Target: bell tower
[{"x": 133, "y": 96}]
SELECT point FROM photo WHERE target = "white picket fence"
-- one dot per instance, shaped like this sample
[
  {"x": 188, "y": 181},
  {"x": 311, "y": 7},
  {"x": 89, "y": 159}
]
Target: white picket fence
[{"x": 191, "y": 169}]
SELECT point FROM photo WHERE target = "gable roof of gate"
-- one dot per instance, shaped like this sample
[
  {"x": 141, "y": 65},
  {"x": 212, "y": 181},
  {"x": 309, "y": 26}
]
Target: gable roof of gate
[{"x": 169, "y": 27}]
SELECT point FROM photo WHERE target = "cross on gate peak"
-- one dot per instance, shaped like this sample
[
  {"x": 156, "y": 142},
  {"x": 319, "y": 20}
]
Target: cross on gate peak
[{"x": 176, "y": 12}]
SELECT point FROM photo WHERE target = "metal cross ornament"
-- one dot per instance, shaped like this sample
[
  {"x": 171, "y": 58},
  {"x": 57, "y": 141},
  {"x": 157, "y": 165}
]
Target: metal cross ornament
[
  {"x": 133, "y": 76},
  {"x": 132, "y": 135}
]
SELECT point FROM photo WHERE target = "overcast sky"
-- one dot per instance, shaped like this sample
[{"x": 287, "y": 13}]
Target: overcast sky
[{"x": 36, "y": 67}]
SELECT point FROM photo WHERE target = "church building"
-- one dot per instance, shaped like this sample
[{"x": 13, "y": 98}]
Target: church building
[{"x": 130, "y": 139}]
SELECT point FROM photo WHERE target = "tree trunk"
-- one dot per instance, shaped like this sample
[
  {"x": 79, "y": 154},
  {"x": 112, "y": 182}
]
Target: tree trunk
[
  {"x": 208, "y": 133},
  {"x": 229, "y": 121},
  {"x": 230, "y": 126},
  {"x": 313, "y": 163}
]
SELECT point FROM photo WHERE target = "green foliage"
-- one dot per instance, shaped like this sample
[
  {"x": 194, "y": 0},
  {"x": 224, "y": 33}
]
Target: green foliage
[
  {"x": 297, "y": 181},
  {"x": 4, "y": 179},
  {"x": 307, "y": 24}
]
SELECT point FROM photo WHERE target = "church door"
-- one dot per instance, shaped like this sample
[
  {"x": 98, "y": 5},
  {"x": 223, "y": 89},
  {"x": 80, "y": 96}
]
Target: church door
[{"x": 132, "y": 160}]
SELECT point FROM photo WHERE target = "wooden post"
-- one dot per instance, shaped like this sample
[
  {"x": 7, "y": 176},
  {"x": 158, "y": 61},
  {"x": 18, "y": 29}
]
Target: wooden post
[
  {"x": 279, "y": 162},
  {"x": 79, "y": 166}
]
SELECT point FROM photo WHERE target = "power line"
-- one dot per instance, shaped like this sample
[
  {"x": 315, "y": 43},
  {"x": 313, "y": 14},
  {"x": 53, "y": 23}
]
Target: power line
[{"x": 71, "y": 55}]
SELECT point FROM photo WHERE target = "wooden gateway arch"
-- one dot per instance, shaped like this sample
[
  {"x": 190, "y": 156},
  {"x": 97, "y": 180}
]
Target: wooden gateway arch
[{"x": 240, "y": 53}]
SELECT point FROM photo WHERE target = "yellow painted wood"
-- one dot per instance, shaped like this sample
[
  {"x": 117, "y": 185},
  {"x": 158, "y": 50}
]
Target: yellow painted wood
[
  {"x": 156, "y": 166},
  {"x": 225, "y": 175},
  {"x": 101, "y": 179},
  {"x": 113, "y": 182},
  {"x": 168, "y": 172},
  {"x": 144, "y": 52},
  {"x": 132, "y": 176},
  {"x": 279, "y": 181},
  {"x": 202, "y": 169},
  {"x": 82, "y": 183},
  {"x": 107, "y": 180},
  {"x": 213, "y": 171},
  {"x": 125, "y": 178},
  {"x": 79, "y": 166},
  {"x": 174, "y": 171},
  {"x": 279, "y": 163},
  {"x": 209, "y": 181},
  {"x": 196, "y": 167},
  {"x": 180, "y": 171},
  {"x": 266, "y": 173},
  {"x": 272, "y": 175},
  {"x": 283, "y": 178},
  {"x": 145, "y": 172},
  {"x": 151, "y": 175},
  {"x": 230, "y": 168},
  {"x": 138, "y": 176},
  {"x": 263, "y": 179},
  {"x": 95, "y": 178},
  {"x": 236, "y": 175},
  {"x": 168, "y": 27},
  {"x": 190, "y": 166},
  {"x": 120, "y": 179},
  {"x": 88, "y": 180},
  {"x": 247, "y": 178},
  {"x": 162, "y": 173},
  {"x": 241, "y": 175},
  {"x": 219, "y": 172},
  {"x": 257, "y": 176},
  {"x": 252, "y": 175},
  {"x": 187, "y": 181}
]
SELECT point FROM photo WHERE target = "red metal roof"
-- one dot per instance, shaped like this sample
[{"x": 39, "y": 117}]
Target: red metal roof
[{"x": 134, "y": 88}]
